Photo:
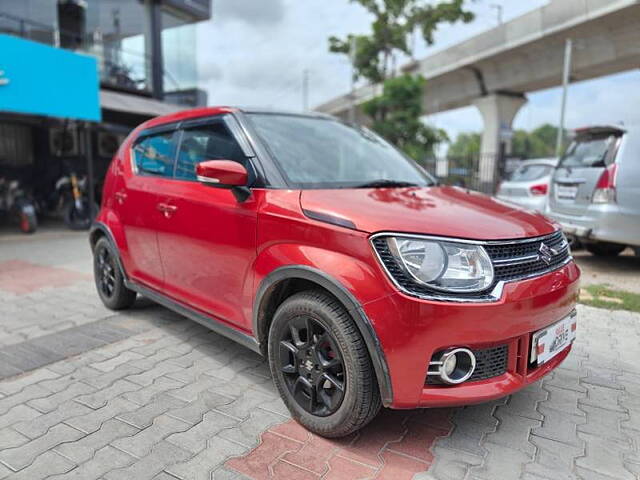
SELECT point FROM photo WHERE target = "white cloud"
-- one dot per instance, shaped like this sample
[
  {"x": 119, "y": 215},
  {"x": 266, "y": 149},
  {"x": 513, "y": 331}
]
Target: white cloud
[{"x": 254, "y": 53}]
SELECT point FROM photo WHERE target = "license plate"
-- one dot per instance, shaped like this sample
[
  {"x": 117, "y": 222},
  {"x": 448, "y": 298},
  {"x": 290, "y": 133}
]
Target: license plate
[
  {"x": 549, "y": 342},
  {"x": 564, "y": 192}
]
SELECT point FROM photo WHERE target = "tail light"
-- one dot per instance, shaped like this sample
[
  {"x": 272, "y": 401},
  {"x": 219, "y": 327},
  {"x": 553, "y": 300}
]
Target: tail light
[
  {"x": 541, "y": 189},
  {"x": 605, "y": 191}
]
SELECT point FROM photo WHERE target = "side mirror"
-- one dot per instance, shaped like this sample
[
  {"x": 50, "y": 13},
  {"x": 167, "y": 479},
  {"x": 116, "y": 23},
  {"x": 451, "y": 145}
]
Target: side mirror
[
  {"x": 222, "y": 173},
  {"x": 225, "y": 174}
]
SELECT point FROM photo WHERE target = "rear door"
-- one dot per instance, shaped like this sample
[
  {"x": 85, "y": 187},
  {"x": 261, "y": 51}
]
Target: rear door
[
  {"x": 150, "y": 166},
  {"x": 579, "y": 170}
]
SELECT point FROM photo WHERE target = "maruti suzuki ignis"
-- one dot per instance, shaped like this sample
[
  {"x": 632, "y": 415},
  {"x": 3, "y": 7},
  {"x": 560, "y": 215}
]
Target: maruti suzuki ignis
[{"x": 320, "y": 246}]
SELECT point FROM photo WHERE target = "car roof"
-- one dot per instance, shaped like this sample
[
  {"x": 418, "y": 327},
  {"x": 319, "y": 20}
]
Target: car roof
[{"x": 220, "y": 110}]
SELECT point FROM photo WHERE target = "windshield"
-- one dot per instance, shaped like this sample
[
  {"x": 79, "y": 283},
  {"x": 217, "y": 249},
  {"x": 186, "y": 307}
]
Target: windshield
[
  {"x": 590, "y": 151},
  {"x": 315, "y": 152},
  {"x": 530, "y": 172}
]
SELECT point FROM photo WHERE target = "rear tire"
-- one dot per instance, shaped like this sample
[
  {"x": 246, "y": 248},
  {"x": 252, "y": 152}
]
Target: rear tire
[
  {"x": 76, "y": 220},
  {"x": 605, "y": 249},
  {"x": 109, "y": 278},
  {"x": 321, "y": 366}
]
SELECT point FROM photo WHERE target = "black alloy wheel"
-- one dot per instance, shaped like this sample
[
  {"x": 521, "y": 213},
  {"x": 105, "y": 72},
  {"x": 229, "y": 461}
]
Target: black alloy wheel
[
  {"x": 106, "y": 277},
  {"x": 321, "y": 366},
  {"x": 313, "y": 366}
]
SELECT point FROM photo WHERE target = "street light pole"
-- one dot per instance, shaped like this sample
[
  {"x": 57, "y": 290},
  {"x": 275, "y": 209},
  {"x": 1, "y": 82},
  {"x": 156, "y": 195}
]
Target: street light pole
[
  {"x": 499, "y": 10},
  {"x": 566, "y": 78},
  {"x": 352, "y": 57},
  {"x": 305, "y": 90}
]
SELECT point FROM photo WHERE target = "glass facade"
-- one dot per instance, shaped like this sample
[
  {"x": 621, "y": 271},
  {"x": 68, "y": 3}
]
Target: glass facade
[
  {"x": 179, "y": 52},
  {"x": 117, "y": 32}
]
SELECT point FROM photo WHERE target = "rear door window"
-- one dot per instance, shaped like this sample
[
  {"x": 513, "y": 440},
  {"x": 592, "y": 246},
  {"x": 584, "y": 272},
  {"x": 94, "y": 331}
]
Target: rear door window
[
  {"x": 530, "y": 172},
  {"x": 591, "y": 151},
  {"x": 155, "y": 154}
]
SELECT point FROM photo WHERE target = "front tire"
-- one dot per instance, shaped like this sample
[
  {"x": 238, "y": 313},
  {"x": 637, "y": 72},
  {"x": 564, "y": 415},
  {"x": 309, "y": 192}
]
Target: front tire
[
  {"x": 605, "y": 249},
  {"x": 321, "y": 366},
  {"x": 109, "y": 278}
]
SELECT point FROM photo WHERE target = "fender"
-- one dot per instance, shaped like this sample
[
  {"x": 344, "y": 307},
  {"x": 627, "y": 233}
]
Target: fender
[
  {"x": 347, "y": 299},
  {"x": 94, "y": 231}
]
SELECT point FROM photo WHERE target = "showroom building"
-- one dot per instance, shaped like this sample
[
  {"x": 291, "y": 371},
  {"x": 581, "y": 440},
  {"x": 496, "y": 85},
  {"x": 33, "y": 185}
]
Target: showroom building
[{"x": 145, "y": 57}]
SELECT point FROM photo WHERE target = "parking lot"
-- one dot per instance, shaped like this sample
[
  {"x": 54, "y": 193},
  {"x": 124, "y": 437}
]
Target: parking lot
[{"x": 89, "y": 394}]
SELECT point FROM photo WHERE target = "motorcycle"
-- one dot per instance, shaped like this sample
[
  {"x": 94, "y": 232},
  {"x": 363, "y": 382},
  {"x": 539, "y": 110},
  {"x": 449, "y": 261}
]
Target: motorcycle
[
  {"x": 16, "y": 204},
  {"x": 69, "y": 201},
  {"x": 77, "y": 211}
]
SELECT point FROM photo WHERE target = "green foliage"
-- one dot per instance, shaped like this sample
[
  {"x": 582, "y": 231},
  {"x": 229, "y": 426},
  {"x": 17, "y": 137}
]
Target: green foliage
[
  {"x": 394, "y": 21},
  {"x": 539, "y": 143},
  {"x": 467, "y": 145},
  {"x": 396, "y": 116},
  {"x": 396, "y": 113}
]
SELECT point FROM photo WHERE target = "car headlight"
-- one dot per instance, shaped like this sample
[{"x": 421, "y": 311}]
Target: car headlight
[{"x": 444, "y": 266}]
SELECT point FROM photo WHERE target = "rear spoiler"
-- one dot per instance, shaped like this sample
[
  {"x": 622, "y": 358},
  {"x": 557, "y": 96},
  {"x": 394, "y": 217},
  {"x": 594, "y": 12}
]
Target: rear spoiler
[{"x": 599, "y": 130}]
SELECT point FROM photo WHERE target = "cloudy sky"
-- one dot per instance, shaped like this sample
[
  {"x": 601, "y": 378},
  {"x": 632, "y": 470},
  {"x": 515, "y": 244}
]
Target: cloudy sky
[{"x": 254, "y": 52}]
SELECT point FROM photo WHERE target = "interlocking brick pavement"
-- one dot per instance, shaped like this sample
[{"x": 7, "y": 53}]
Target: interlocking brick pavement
[{"x": 175, "y": 401}]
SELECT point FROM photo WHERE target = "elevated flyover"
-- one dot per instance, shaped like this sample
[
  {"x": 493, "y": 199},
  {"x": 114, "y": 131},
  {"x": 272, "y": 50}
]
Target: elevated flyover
[{"x": 494, "y": 70}]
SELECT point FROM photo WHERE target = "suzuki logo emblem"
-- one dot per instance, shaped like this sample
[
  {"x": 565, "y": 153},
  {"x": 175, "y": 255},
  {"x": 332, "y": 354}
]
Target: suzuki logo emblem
[{"x": 545, "y": 253}]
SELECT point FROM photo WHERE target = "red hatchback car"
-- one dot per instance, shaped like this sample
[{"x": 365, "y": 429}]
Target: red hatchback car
[{"x": 320, "y": 246}]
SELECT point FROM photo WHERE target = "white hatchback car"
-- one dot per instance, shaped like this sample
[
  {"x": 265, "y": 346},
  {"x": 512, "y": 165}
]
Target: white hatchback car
[{"x": 528, "y": 185}]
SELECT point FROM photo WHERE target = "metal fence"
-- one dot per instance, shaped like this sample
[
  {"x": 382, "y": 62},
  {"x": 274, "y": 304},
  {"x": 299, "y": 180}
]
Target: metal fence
[{"x": 482, "y": 173}]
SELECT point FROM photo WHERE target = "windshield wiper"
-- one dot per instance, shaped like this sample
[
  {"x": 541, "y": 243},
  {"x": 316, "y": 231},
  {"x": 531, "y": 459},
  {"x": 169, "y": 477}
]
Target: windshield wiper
[{"x": 386, "y": 184}]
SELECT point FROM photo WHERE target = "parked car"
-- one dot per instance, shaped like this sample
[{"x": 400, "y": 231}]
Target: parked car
[
  {"x": 317, "y": 244},
  {"x": 595, "y": 192},
  {"x": 528, "y": 185}
]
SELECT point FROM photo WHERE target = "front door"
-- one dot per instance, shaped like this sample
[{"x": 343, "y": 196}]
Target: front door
[
  {"x": 138, "y": 198},
  {"x": 208, "y": 239}
]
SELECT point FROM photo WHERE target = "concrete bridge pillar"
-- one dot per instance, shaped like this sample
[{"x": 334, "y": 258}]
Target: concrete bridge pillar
[{"x": 498, "y": 111}]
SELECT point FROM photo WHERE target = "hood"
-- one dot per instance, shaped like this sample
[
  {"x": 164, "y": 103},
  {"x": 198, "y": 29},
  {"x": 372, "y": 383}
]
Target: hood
[{"x": 443, "y": 211}]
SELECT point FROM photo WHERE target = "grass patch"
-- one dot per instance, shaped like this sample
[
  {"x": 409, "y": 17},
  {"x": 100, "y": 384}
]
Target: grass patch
[{"x": 604, "y": 297}]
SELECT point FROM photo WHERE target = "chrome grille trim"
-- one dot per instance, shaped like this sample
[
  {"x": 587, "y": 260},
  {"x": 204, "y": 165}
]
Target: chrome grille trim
[{"x": 531, "y": 264}]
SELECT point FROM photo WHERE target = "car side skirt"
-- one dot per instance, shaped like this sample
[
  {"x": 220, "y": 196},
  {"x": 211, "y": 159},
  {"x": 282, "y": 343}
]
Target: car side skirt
[{"x": 204, "y": 320}]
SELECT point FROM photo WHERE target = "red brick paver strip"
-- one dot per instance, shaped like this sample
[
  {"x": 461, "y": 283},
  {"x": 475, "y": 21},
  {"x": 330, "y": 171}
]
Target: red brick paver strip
[
  {"x": 21, "y": 278},
  {"x": 396, "y": 445}
]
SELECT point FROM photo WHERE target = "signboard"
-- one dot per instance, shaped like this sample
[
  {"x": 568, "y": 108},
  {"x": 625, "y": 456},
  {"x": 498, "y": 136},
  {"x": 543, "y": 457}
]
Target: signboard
[
  {"x": 40, "y": 80},
  {"x": 197, "y": 9}
]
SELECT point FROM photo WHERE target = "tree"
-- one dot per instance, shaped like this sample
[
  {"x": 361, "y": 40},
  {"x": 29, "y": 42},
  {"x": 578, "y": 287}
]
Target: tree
[
  {"x": 401, "y": 101},
  {"x": 396, "y": 113},
  {"x": 394, "y": 23},
  {"x": 467, "y": 145},
  {"x": 539, "y": 143}
]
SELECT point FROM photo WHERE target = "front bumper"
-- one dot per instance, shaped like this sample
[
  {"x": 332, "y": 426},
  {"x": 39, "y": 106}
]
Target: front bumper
[{"x": 411, "y": 330}]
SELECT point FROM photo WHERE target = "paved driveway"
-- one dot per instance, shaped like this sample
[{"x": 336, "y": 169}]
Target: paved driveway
[{"x": 88, "y": 394}]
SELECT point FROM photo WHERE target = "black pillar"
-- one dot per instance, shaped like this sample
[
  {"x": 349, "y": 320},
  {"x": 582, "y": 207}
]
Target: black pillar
[
  {"x": 90, "y": 170},
  {"x": 157, "y": 62}
]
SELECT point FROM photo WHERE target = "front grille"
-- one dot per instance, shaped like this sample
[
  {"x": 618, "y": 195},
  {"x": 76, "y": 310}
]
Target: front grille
[
  {"x": 490, "y": 363},
  {"x": 511, "y": 260},
  {"x": 517, "y": 270}
]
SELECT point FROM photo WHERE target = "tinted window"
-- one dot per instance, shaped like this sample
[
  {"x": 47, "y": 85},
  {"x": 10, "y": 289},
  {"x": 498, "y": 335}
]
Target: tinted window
[
  {"x": 591, "y": 151},
  {"x": 315, "y": 152},
  {"x": 528, "y": 173},
  {"x": 206, "y": 142},
  {"x": 155, "y": 154}
]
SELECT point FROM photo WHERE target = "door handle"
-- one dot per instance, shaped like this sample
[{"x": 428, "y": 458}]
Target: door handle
[
  {"x": 167, "y": 210},
  {"x": 120, "y": 197}
]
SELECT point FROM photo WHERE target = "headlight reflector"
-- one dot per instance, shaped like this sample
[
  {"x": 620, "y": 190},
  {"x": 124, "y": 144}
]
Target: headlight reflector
[{"x": 446, "y": 266}]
